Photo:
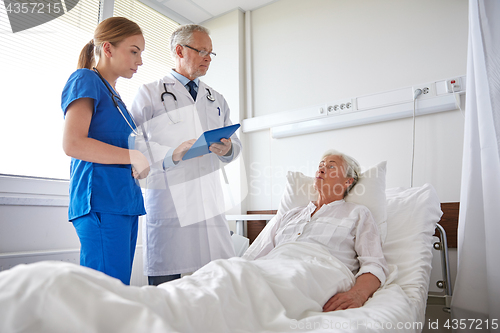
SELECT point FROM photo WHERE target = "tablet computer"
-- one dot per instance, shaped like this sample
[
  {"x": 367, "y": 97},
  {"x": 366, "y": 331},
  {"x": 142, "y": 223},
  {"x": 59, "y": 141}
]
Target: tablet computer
[{"x": 200, "y": 147}]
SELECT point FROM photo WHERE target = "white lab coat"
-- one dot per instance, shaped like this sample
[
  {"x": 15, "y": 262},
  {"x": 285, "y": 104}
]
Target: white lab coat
[{"x": 185, "y": 226}]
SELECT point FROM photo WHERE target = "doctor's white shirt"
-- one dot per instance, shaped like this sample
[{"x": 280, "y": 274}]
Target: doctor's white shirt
[{"x": 347, "y": 230}]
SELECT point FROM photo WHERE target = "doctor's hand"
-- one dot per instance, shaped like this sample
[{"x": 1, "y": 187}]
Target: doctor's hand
[
  {"x": 221, "y": 148},
  {"x": 180, "y": 151},
  {"x": 140, "y": 164}
]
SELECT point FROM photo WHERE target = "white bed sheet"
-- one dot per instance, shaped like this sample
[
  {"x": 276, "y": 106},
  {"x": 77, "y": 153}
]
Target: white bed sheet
[{"x": 279, "y": 294}]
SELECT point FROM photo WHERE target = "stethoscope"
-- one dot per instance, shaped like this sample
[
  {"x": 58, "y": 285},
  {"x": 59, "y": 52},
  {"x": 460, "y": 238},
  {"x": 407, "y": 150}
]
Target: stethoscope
[
  {"x": 209, "y": 96},
  {"x": 166, "y": 92},
  {"x": 115, "y": 97},
  {"x": 163, "y": 102}
]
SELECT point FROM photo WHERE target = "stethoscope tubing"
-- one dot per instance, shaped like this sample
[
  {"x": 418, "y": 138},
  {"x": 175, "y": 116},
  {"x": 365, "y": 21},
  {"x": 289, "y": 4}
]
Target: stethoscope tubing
[
  {"x": 209, "y": 96},
  {"x": 162, "y": 97},
  {"x": 113, "y": 96}
]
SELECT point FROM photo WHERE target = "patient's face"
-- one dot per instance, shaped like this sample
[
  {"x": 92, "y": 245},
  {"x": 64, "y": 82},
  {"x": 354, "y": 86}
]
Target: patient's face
[{"x": 331, "y": 176}]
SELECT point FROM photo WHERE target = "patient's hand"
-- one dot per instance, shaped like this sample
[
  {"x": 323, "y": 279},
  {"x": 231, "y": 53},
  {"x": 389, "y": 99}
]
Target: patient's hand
[
  {"x": 366, "y": 284},
  {"x": 348, "y": 300}
]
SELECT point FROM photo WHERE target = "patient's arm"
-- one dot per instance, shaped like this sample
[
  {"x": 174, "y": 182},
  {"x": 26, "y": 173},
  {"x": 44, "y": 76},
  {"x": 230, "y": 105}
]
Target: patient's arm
[
  {"x": 366, "y": 284},
  {"x": 264, "y": 242}
]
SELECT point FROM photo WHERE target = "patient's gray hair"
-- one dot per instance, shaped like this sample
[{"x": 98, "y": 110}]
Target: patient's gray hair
[
  {"x": 184, "y": 35},
  {"x": 351, "y": 166}
]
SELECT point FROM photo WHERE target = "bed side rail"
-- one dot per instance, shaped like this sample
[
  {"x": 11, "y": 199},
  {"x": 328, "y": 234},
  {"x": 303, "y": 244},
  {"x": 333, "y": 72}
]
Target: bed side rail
[{"x": 445, "y": 283}]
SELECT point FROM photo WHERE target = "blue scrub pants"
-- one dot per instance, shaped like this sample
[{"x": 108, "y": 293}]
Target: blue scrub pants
[{"x": 108, "y": 243}]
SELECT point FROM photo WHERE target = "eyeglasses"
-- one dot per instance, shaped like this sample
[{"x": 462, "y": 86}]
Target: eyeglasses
[{"x": 202, "y": 53}]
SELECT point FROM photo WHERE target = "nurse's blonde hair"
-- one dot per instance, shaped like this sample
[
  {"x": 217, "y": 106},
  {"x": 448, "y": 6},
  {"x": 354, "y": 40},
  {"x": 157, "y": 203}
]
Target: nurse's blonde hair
[{"x": 112, "y": 30}]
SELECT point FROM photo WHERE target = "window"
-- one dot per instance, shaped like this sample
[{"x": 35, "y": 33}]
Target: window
[
  {"x": 157, "y": 59},
  {"x": 37, "y": 62}
]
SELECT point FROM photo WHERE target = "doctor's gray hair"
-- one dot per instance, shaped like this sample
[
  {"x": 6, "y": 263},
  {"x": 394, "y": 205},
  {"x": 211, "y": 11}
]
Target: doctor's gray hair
[
  {"x": 184, "y": 35},
  {"x": 351, "y": 167}
]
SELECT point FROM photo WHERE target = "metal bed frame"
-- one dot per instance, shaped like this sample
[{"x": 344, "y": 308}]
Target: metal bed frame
[{"x": 445, "y": 283}]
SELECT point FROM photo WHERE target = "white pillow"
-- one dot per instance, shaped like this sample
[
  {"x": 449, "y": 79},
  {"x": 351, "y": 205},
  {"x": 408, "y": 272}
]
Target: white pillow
[
  {"x": 370, "y": 192},
  {"x": 412, "y": 214}
]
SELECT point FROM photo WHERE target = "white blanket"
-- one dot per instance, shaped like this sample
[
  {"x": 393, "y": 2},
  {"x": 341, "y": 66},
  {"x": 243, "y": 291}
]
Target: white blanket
[{"x": 283, "y": 292}]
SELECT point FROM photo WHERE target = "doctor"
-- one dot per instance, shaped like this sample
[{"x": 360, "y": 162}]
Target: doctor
[{"x": 185, "y": 226}]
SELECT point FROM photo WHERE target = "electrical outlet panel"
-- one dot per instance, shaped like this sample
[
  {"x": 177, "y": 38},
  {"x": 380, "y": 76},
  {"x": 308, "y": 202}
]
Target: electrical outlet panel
[
  {"x": 339, "y": 107},
  {"x": 453, "y": 85},
  {"x": 428, "y": 90}
]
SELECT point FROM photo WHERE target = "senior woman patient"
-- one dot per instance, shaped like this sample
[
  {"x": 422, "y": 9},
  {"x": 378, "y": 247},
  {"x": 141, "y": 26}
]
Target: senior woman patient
[
  {"x": 347, "y": 230},
  {"x": 322, "y": 257}
]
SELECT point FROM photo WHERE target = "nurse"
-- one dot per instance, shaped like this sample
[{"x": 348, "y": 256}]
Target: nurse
[
  {"x": 185, "y": 223},
  {"x": 105, "y": 201}
]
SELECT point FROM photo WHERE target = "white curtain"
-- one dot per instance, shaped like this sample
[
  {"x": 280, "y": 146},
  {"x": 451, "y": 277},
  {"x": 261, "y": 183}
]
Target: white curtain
[{"x": 477, "y": 287}]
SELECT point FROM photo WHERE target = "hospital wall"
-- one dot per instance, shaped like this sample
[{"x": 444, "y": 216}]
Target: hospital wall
[{"x": 306, "y": 53}]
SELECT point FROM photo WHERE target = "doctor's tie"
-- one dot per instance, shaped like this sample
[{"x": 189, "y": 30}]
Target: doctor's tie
[{"x": 192, "y": 90}]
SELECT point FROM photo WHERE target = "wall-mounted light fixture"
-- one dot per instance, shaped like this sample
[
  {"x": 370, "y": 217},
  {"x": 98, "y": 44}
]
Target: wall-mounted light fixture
[{"x": 361, "y": 110}]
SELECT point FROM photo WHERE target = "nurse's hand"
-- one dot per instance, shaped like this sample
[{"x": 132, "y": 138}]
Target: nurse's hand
[
  {"x": 180, "y": 151},
  {"x": 140, "y": 164},
  {"x": 221, "y": 148}
]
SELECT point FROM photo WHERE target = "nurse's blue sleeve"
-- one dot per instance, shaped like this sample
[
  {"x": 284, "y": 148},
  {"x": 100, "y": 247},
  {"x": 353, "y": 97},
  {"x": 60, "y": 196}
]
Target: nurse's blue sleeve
[{"x": 83, "y": 83}]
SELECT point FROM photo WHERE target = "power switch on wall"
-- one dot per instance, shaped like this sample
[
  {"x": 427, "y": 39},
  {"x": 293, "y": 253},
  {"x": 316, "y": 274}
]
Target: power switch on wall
[{"x": 453, "y": 85}]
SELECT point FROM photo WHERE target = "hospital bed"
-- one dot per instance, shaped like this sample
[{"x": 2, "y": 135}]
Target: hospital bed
[{"x": 233, "y": 296}]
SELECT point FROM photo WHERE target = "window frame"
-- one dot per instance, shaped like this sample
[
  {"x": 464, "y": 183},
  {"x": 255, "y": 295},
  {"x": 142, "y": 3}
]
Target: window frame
[{"x": 29, "y": 190}]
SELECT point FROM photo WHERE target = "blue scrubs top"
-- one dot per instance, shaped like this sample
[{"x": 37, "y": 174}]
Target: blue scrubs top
[{"x": 104, "y": 188}]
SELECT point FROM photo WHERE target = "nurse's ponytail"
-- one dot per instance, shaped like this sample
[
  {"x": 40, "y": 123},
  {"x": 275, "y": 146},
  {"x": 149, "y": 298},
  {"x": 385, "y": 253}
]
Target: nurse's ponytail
[
  {"x": 87, "y": 58},
  {"x": 112, "y": 30}
]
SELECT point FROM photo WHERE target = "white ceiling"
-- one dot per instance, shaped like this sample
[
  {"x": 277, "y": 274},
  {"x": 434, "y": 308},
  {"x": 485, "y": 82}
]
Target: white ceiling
[{"x": 197, "y": 11}]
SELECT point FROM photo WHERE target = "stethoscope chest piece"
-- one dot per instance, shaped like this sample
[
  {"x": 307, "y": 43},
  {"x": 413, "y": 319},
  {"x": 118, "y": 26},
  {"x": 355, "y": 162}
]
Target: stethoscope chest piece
[{"x": 209, "y": 96}]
